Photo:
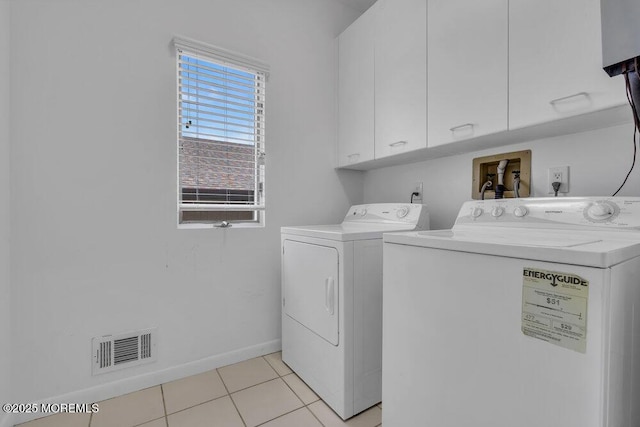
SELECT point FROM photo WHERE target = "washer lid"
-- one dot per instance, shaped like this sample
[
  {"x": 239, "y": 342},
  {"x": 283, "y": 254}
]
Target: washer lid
[{"x": 589, "y": 248}]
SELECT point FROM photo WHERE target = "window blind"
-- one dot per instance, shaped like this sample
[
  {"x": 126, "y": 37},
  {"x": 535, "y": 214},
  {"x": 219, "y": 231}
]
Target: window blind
[{"x": 221, "y": 138}]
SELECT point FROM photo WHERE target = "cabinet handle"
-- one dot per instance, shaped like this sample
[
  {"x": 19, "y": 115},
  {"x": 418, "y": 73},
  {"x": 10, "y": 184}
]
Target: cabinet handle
[
  {"x": 397, "y": 143},
  {"x": 564, "y": 98},
  {"x": 455, "y": 128},
  {"x": 353, "y": 157}
]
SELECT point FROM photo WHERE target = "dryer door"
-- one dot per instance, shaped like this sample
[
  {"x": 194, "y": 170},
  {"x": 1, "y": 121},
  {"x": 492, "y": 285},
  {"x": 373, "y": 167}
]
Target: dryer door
[{"x": 310, "y": 282}]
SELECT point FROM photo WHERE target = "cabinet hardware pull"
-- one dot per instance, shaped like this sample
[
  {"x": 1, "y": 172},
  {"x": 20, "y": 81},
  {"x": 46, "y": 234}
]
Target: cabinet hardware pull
[
  {"x": 564, "y": 98},
  {"x": 455, "y": 128},
  {"x": 353, "y": 158},
  {"x": 395, "y": 144}
]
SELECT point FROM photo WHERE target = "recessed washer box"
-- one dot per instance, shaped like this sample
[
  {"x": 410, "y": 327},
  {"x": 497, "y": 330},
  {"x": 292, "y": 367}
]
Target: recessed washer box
[{"x": 483, "y": 167}]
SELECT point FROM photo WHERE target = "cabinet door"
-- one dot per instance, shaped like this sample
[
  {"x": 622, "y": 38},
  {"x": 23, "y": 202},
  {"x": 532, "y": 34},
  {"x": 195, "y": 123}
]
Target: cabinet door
[
  {"x": 355, "y": 91},
  {"x": 555, "y": 61},
  {"x": 467, "y": 69},
  {"x": 400, "y": 76}
]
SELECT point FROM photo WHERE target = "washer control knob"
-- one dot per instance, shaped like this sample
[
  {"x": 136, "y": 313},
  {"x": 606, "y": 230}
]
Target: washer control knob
[
  {"x": 402, "y": 212},
  {"x": 361, "y": 211},
  {"x": 520, "y": 211},
  {"x": 476, "y": 212},
  {"x": 497, "y": 211},
  {"x": 600, "y": 211}
]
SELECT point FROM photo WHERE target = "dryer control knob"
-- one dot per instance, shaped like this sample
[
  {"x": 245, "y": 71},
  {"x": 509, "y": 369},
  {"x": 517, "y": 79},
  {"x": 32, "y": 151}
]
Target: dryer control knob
[
  {"x": 402, "y": 212},
  {"x": 497, "y": 211},
  {"x": 476, "y": 212},
  {"x": 600, "y": 211},
  {"x": 520, "y": 211},
  {"x": 361, "y": 212}
]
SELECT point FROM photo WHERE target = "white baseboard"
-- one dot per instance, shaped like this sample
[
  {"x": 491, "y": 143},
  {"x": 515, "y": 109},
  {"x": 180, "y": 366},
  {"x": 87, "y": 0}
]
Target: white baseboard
[
  {"x": 150, "y": 379},
  {"x": 6, "y": 420}
]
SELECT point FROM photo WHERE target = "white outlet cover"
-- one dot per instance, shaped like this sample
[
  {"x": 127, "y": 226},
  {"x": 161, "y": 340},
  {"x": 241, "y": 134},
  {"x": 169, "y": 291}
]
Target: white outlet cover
[
  {"x": 417, "y": 188},
  {"x": 564, "y": 182}
]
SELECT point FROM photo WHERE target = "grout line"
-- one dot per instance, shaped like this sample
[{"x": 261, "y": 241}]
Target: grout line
[
  {"x": 164, "y": 403},
  {"x": 274, "y": 368},
  {"x": 307, "y": 385},
  {"x": 294, "y": 392},
  {"x": 231, "y": 398},
  {"x": 314, "y": 414},
  {"x": 286, "y": 413},
  {"x": 271, "y": 366},
  {"x": 306, "y": 405},
  {"x": 242, "y": 389},
  {"x": 219, "y": 397},
  {"x": 193, "y": 406},
  {"x": 280, "y": 416},
  {"x": 149, "y": 421}
]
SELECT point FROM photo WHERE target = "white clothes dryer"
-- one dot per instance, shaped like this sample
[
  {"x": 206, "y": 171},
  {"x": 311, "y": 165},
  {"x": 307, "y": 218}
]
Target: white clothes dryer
[
  {"x": 526, "y": 313},
  {"x": 332, "y": 302}
]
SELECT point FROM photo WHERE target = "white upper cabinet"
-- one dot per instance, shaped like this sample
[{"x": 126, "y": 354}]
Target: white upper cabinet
[
  {"x": 355, "y": 91},
  {"x": 467, "y": 69},
  {"x": 400, "y": 76},
  {"x": 555, "y": 62},
  {"x": 419, "y": 74}
]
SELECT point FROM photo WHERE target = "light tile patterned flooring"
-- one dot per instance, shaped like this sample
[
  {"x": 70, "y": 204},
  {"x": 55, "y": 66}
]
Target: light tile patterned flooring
[{"x": 257, "y": 392}]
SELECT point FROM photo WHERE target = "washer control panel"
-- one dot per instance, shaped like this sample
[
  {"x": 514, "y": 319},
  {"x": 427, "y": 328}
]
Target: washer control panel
[
  {"x": 389, "y": 213},
  {"x": 600, "y": 212}
]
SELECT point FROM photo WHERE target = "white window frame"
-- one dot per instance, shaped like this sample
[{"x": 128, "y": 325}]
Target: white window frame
[{"x": 222, "y": 57}]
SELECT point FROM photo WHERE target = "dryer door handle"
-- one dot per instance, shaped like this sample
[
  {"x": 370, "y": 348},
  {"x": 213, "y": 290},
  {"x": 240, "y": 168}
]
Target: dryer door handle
[{"x": 329, "y": 289}]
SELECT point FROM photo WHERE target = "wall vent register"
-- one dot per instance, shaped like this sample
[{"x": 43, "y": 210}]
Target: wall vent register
[{"x": 115, "y": 352}]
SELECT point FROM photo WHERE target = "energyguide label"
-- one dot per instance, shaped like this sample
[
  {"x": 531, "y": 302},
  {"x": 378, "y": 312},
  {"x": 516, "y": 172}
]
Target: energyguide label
[{"x": 554, "y": 307}]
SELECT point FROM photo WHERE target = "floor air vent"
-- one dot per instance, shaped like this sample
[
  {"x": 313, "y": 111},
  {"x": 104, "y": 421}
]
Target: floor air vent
[{"x": 113, "y": 352}]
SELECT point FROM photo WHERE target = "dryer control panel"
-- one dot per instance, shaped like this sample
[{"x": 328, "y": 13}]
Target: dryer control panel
[
  {"x": 389, "y": 213},
  {"x": 554, "y": 212}
]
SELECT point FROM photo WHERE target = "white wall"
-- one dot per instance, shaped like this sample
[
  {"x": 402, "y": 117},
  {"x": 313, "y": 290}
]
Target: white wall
[
  {"x": 95, "y": 249},
  {"x": 5, "y": 335},
  {"x": 598, "y": 161}
]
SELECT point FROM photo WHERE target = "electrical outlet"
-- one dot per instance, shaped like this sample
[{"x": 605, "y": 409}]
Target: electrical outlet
[
  {"x": 417, "y": 188},
  {"x": 558, "y": 174}
]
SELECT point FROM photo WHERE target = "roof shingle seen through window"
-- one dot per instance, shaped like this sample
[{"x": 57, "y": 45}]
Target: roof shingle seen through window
[{"x": 210, "y": 164}]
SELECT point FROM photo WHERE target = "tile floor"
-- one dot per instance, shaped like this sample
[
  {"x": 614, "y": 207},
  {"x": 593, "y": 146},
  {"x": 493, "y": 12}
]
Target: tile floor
[{"x": 257, "y": 392}]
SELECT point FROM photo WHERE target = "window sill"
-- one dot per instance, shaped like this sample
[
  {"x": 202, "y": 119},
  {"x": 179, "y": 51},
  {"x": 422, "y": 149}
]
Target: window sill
[{"x": 200, "y": 226}]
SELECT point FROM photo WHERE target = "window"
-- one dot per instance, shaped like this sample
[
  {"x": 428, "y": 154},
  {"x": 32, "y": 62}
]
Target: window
[{"x": 221, "y": 136}]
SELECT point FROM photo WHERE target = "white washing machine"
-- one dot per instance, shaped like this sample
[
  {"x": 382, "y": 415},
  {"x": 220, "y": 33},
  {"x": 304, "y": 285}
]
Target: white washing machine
[
  {"x": 525, "y": 314},
  {"x": 332, "y": 302}
]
